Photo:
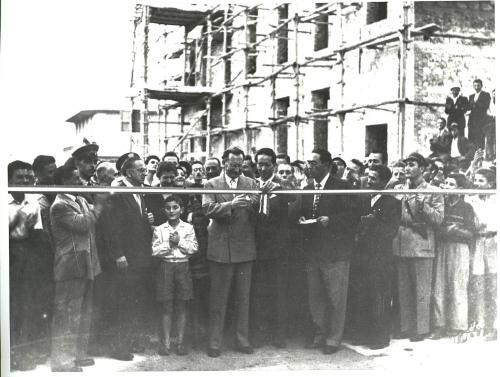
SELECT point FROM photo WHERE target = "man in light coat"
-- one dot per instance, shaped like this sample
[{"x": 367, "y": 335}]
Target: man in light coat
[
  {"x": 231, "y": 249},
  {"x": 415, "y": 249}
]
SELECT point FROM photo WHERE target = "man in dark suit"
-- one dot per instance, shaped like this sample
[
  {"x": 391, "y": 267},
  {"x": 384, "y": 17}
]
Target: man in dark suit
[
  {"x": 328, "y": 244},
  {"x": 460, "y": 146},
  {"x": 479, "y": 104},
  {"x": 131, "y": 256},
  {"x": 374, "y": 261},
  {"x": 75, "y": 267},
  {"x": 231, "y": 249},
  {"x": 456, "y": 106},
  {"x": 268, "y": 302}
]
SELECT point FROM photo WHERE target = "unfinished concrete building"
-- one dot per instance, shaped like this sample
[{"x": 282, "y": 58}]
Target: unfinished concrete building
[{"x": 351, "y": 77}]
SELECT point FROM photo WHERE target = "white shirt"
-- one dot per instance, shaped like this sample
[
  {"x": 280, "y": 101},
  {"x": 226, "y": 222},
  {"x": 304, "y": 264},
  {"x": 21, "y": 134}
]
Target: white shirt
[
  {"x": 454, "y": 148},
  {"x": 137, "y": 197},
  {"x": 262, "y": 182},
  {"x": 187, "y": 245},
  {"x": 322, "y": 183},
  {"x": 375, "y": 198},
  {"x": 23, "y": 216},
  {"x": 476, "y": 96},
  {"x": 231, "y": 182}
]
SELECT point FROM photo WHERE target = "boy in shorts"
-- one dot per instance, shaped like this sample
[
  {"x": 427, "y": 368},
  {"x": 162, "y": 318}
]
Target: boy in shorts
[{"x": 173, "y": 242}]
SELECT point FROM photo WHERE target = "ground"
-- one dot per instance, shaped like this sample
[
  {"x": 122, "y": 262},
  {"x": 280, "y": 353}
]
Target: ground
[{"x": 401, "y": 355}]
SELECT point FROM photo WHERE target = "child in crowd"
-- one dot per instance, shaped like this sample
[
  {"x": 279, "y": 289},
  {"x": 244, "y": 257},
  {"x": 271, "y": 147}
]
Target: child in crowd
[{"x": 173, "y": 242}]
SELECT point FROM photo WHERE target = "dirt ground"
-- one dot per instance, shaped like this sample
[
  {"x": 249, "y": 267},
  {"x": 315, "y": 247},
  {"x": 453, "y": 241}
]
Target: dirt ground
[{"x": 401, "y": 355}]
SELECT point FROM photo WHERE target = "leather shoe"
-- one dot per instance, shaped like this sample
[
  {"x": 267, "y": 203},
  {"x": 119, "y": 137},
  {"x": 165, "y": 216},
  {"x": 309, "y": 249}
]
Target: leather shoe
[
  {"x": 123, "y": 356},
  {"x": 181, "y": 350},
  {"x": 417, "y": 338},
  {"x": 213, "y": 352},
  {"x": 244, "y": 349},
  {"x": 437, "y": 334},
  {"x": 163, "y": 350},
  {"x": 87, "y": 362},
  {"x": 379, "y": 346},
  {"x": 329, "y": 350},
  {"x": 313, "y": 345},
  {"x": 68, "y": 368},
  {"x": 137, "y": 348}
]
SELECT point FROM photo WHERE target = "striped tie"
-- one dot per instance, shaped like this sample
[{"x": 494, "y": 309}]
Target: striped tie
[{"x": 316, "y": 201}]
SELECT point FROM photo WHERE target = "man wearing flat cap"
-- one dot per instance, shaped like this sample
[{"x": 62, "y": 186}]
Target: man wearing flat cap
[
  {"x": 85, "y": 159},
  {"x": 414, "y": 248},
  {"x": 456, "y": 106}
]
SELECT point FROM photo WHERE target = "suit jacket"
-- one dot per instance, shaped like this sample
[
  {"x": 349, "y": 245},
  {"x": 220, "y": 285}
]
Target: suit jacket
[
  {"x": 478, "y": 110},
  {"x": 409, "y": 242},
  {"x": 272, "y": 229},
  {"x": 456, "y": 111},
  {"x": 376, "y": 233},
  {"x": 132, "y": 231},
  {"x": 73, "y": 231},
  {"x": 465, "y": 147},
  {"x": 231, "y": 233},
  {"x": 335, "y": 242}
]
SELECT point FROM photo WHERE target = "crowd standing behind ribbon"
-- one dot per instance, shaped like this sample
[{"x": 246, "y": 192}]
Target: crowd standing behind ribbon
[{"x": 105, "y": 275}]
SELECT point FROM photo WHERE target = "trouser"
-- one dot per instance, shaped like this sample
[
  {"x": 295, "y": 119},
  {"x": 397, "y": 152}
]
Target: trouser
[
  {"x": 71, "y": 322},
  {"x": 268, "y": 298},
  {"x": 200, "y": 309},
  {"x": 327, "y": 284},
  {"x": 221, "y": 279},
  {"x": 101, "y": 313},
  {"x": 131, "y": 302},
  {"x": 451, "y": 279},
  {"x": 414, "y": 285},
  {"x": 371, "y": 308}
]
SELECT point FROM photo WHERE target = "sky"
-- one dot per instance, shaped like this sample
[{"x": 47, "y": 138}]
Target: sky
[{"x": 58, "y": 57}]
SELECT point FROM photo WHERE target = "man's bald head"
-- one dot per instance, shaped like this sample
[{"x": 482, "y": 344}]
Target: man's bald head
[{"x": 106, "y": 173}]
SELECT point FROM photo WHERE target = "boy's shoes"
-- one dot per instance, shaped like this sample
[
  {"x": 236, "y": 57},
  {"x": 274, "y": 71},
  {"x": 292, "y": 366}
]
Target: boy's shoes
[
  {"x": 163, "y": 350},
  {"x": 213, "y": 352},
  {"x": 181, "y": 350}
]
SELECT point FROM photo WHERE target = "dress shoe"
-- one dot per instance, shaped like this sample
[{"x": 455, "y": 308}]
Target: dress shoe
[
  {"x": 313, "y": 345},
  {"x": 379, "y": 346},
  {"x": 163, "y": 350},
  {"x": 437, "y": 334},
  {"x": 213, "y": 352},
  {"x": 244, "y": 349},
  {"x": 87, "y": 362},
  {"x": 123, "y": 356},
  {"x": 137, "y": 348},
  {"x": 181, "y": 350},
  {"x": 67, "y": 368},
  {"x": 279, "y": 344},
  {"x": 417, "y": 338},
  {"x": 329, "y": 350}
]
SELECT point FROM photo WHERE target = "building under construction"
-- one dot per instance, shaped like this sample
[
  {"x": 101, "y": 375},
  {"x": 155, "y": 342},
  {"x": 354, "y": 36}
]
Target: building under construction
[{"x": 351, "y": 77}]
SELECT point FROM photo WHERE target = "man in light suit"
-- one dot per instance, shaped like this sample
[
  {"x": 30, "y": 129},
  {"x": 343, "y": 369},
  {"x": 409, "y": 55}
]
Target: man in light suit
[
  {"x": 328, "y": 244},
  {"x": 75, "y": 267},
  {"x": 415, "y": 249},
  {"x": 231, "y": 249},
  {"x": 479, "y": 104}
]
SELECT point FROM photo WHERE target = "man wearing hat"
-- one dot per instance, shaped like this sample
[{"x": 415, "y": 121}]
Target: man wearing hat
[
  {"x": 414, "y": 248},
  {"x": 130, "y": 251},
  {"x": 456, "y": 107},
  {"x": 85, "y": 159}
]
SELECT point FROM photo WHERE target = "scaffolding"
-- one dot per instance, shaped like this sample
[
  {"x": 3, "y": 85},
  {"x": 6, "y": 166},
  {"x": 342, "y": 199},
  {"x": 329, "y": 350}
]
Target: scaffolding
[{"x": 221, "y": 21}]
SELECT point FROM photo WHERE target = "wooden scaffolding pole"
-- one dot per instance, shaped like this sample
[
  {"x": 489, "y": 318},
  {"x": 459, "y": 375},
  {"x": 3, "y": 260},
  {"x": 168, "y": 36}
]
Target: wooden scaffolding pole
[
  {"x": 296, "y": 71},
  {"x": 404, "y": 36},
  {"x": 209, "y": 84},
  {"x": 224, "y": 62},
  {"x": 246, "y": 87},
  {"x": 145, "y": 110}
]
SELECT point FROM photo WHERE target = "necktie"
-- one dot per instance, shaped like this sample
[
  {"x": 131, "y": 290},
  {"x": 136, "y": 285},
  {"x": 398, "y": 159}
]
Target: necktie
[
  {"x": 264, "y": 202},
  {"x": 316, "y": 201}
]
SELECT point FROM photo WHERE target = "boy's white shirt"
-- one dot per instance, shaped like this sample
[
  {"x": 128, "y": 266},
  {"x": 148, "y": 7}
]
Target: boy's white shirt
[{"x": 187, "y": 245}]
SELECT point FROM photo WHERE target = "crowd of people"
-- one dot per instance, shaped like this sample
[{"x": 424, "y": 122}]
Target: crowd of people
[{"x": 94, "y": 274}]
